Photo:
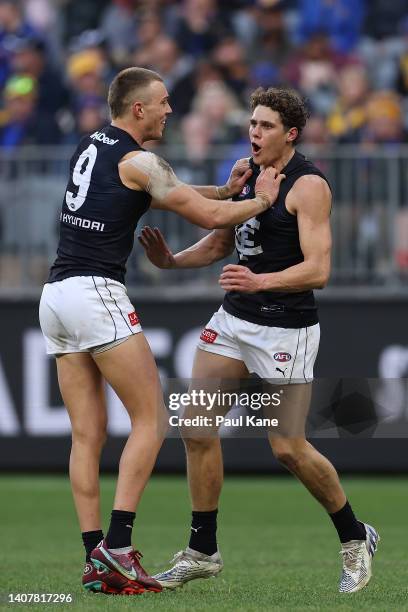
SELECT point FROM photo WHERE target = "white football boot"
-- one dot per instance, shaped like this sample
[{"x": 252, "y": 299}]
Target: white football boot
[
  {"x": 190, "y": 565},
  {"x": 357, "y": 558}
]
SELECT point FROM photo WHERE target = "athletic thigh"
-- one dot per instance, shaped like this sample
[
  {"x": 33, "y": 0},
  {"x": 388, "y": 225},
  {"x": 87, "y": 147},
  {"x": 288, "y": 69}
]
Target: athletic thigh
[
  {"x": 290, "y": 413},
  {"x": 131, "y": 371},
  {"x": 216, "y": 381},
  {"x": 82, "y": 389}
]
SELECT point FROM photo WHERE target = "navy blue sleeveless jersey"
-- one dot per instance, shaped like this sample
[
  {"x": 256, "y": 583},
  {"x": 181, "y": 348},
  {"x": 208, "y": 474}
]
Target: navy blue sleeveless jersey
[
  {"x": 99, "y": 213},
  {"x": 270, "y": 243}
]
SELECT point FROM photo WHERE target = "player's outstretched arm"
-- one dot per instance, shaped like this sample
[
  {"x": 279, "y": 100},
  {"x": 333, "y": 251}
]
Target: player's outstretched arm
[
  {"x": 148, "y": 172},
  {"x": 310, "y": 200},
  {"x": 213, "y": 247}
]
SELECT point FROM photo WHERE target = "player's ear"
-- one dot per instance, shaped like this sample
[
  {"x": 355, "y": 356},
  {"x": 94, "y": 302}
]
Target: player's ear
[
  {"x": 292, "y": 134},
  {"x": 138, "y": 110}
]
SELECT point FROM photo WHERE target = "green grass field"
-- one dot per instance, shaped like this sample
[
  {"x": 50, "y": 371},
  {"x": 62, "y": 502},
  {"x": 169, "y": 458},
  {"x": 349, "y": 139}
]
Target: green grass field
[{"x": 279, "y": 548}]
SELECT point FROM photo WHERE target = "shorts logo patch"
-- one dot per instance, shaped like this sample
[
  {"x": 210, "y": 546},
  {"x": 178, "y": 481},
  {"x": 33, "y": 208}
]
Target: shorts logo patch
[
  {"x": 245, "y": 190},
  {"x": 208, "y": 335},
  {"x": 282, "y": 357},
  {"x": 133, "y": 318}
]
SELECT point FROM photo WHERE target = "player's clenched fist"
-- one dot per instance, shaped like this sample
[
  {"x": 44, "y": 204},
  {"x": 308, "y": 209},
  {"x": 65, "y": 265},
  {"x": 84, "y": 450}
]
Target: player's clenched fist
[
  {"x": 267, "y": 185},
  {"x": 240, "y": 278},
  {"x": 240, "y": 173}
]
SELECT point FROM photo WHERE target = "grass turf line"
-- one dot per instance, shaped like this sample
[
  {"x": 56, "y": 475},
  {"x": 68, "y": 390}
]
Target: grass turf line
[{"x": 279, "y": 548}]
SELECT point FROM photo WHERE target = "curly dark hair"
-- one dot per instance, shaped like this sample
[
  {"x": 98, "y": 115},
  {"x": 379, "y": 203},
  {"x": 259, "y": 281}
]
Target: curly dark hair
[{"x": 287, "y": 102}]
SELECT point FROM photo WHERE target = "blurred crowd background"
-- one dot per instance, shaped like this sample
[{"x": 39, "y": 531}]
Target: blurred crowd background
[{"x": 349, "y": 58}]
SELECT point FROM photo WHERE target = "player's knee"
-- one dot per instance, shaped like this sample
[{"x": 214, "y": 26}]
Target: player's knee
[
  {"x": 90, "y": 435},
  {"x": 198, "y": 444},
  {"x": 289, "y": 454}
]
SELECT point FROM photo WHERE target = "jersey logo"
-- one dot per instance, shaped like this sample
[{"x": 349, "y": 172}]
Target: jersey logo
[
  {"x": 243, "y": 239},
  {"x": 282, "y": 357},
  {"x": 133, "y": 318},
  {"x": 208, "y": 335},
  {"x": 101, "y": 137},
  {"x": 245, "y": 191}
]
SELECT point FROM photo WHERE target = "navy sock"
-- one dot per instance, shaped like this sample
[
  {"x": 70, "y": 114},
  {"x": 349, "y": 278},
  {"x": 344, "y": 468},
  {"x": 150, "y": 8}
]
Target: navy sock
[
  {"x": 120, "y": 529},
  {"x": 204, "y": 532},
  {"x": 348, "y": 527},
  {"x": 91, "y": 540}
]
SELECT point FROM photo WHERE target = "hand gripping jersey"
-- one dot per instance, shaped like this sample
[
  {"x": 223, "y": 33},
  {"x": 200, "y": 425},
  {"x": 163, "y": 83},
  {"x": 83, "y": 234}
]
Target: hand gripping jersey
[
  {"x": 269, "y": 242},
  {"x": 99, "y": 213}
]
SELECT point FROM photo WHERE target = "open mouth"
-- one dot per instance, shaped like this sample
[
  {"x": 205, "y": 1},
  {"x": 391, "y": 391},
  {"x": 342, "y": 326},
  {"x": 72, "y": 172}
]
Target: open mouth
[{"x": 255, "y": 148}]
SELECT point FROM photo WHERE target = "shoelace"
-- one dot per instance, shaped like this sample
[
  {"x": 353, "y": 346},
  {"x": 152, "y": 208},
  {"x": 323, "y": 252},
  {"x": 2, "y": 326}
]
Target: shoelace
[
  {"x": 352, "y": 556},
  {"x": 181, "y": 556},
  {"x": 137, "y": 555}
]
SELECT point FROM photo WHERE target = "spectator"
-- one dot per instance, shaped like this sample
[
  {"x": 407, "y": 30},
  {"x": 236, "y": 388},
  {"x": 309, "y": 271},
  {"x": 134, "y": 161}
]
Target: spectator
[
  {"x": 85, "y": 71},
  {"x": 22, "y": 122},
  {"x": 272, "y": 44},
  {"x": 118, "y": 25},
  {"x": 92, "y": 115},
  {"x": 149, "y": 29},
  {"x": 12, "y": 26},
  {"x": 312, "y": 69},
  {"x": 341, "y": 20},
  {"x": 230, "y": 57},
  {"x": 200, "y": 27},
  {"x": 347, "y": 118},
  {"x": 81, "y": 16},
  {"x": 384, "y": 119},
  {"x": 29, "y": 57},
  {"x": 204, "y": 72},
  {"x": 169, "y": 62},
  {"x": 221, "y": 110},
  {"x": 402, "y": 70},
  {"x": 383, "y": 17}
]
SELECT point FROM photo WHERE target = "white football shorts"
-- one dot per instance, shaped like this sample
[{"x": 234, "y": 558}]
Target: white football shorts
[
  {"x": 277, "y": 354},
  {"x": 82, "y": 313}
]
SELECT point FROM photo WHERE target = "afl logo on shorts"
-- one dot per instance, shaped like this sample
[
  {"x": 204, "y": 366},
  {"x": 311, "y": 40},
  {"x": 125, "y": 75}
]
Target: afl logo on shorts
[
  {"x": 133, "y": 318},
  {"x": 208, "y": 335},
  {"x": 282, "y": 357},
  {"x": 246, "y": 189}
]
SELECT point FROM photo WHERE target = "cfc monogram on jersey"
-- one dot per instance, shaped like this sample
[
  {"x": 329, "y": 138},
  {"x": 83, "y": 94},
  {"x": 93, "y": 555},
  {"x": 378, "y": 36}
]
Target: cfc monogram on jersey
[
  {"x": 99, "y": 213},
  {"x": 270, "y": 242},
  {"x": 245, "y": 239}
]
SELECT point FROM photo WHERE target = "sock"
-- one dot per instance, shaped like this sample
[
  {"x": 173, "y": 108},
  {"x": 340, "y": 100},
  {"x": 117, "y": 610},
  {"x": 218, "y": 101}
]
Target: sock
[
  {"x": 203, "y": 536},
  {"x": 91, "y": 540},
  {"x": 348, "y": 527},
  {"x": 120, "y": 529}
]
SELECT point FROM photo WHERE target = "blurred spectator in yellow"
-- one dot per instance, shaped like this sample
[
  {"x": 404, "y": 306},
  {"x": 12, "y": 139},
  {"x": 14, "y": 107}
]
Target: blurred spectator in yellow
[
  {"x": 385, "y": 123},
  {"x": 21, "y": 123},
  {"x": 348, "y": 116},
  {"x": 85, "y": 71}
]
